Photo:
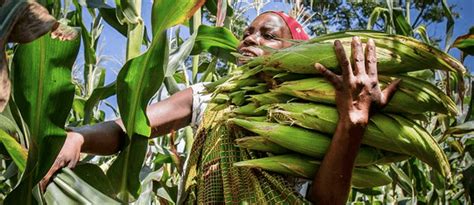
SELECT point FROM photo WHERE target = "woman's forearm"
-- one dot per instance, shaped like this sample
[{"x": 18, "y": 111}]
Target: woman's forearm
[
  {"x": 332, "y": 183},
  {"x": 104, "y": 138},
  {"x": 109, "y": 137}
]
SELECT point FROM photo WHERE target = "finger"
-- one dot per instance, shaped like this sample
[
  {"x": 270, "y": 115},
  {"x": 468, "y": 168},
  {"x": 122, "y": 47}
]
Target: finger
[
  {"x": 45, "y": 181},
  {"x": 358, "y": 56},
  {"x": 343, "y": 61},
  {"x": 73, "y": 162},
  {"x": 388, "y": 92},
  {"x": 58, "y": 164},
  {"x": 371, "y": 59},
  {"x": 328, "y": 75}
]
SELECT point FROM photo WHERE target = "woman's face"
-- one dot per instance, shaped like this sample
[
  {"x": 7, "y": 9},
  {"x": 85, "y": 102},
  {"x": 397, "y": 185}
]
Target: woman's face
[{"x": 265, "y": 31}]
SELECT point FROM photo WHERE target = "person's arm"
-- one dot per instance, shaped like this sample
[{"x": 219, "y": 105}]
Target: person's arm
[
  {"x": 107, "y": 138},
  {"x": 357, "y": 94}
]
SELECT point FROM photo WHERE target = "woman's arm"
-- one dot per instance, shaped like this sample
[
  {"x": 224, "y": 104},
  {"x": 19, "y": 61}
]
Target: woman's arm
[
  {"x": 107, "y": 138},
  {"x": 357, "y": 94}
]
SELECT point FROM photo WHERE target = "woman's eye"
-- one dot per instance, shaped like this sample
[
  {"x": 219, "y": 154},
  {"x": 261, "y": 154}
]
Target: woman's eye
[
  {"x": 246, "y": 34},
  {"x": 269, "y": 36}
]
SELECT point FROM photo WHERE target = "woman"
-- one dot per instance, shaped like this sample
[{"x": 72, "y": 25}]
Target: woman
[{"x": 357, "y": 95}]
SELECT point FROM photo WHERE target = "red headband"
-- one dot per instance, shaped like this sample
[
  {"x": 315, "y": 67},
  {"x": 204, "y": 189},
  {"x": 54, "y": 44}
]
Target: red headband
[{"x": 297, "y": 31}]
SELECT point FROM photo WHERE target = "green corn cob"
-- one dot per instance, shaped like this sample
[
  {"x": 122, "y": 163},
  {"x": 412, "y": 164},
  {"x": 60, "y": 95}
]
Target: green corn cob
[
  {"x": 211, "y": 87},
  {"x": 388, "y": 132},
  {"x": 423, "y": 93},
  {"x": 252, "y": 118},
  {"x": 259, "y": 88},
  {"x": 220, "y": 98},
  {"x": 261, "y": 144},
  {"x": 306, "y": 167},
  {"x": 395, "y": 54},
  {"x": 304, "y": 141},
  {"x": 434, "y": 57},
  {"x": 238, "y": 97},
  {"x": 426, "y": 98},
  {"x": 269, "y": 98},
  {"x": 233, "y": 84},
  {"x": 250, "y": 109}
]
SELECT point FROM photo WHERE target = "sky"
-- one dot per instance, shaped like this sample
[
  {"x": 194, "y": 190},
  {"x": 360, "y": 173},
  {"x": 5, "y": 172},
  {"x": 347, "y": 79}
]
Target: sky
[{"x": 112, "y": 45}]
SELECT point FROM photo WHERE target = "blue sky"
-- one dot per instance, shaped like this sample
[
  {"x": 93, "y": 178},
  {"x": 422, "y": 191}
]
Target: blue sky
[{"x": 113, "y": 45}]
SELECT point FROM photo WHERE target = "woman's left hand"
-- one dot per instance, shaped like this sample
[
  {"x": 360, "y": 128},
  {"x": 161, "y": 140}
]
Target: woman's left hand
[
  {"x": 357, "y": 89},
  {"x": 357, "y": 94}
]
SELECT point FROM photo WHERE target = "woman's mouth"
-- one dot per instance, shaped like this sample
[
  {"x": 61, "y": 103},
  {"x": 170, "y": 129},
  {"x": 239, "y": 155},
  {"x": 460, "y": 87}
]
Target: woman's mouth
[{"x": 248, "y": 52}]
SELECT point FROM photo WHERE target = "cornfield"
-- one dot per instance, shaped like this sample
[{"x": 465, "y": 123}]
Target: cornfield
[{"x": 417, "y": 150}]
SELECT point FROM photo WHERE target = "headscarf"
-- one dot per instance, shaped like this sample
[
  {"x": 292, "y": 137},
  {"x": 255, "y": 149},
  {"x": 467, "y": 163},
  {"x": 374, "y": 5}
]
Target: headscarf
[{"x": 297, "y": 31}]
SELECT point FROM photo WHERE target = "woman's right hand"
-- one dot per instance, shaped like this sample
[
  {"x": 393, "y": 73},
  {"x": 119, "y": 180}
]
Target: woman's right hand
[{"x": 68, "y": 156}]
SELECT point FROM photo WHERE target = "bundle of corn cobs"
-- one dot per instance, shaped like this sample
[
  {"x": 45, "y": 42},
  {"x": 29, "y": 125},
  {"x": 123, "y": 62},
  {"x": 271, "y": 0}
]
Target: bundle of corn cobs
[{"x": 288, "y": 110}]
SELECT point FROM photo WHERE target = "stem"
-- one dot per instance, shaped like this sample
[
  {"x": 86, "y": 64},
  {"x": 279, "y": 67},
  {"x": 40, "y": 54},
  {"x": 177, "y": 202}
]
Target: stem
[
  {"x": 418, "y": 17},
  {"x": 407, "y": 9},
  {"x": 196, "y": 22},
  {"x": 135, "y": 35}
]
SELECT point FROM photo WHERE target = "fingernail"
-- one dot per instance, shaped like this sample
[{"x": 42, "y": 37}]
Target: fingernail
[
  {"x": 355, "y": 38},
  {"x": 318, "y": 66}
]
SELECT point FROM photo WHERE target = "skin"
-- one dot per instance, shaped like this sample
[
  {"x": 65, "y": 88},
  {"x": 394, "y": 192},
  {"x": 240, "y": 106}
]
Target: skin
[{"x": 357, "y": 94}]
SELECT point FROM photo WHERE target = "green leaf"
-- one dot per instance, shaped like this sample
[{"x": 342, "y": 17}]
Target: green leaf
[
  {"x": 78, "y": 107},
  {"x": 171, "y": 85},
  {"x": 137, "y": 82},
  {"x": 449, "y": 23},
  {"x": 469, "y": 146},
  {"x": 44, "y": 95},
  {"x": 374, "y": 191},
  {"x": 94, "y": 176},
  {"x": 97, "y": 95},
  {"x": 421, "y": 30},
  {"x": 97, "y": 4},
  {"x": 470, "y": 112},
  {"x": 108, "y": 14},
  {"x": 68, "y": 187},
  {"x": 402, "y": 26},
  {"x": 401, "y": 179},
  {"x": 90, "y": 46},
  {"x": 211, "y": 6},
  {"x": 177, "y": 58},
  {"x": 468, "y": 181},
  {"x": 217, "y": 40},
  {"x": 7, "y": 122},
  {"x": 462, "y": 129},
  {"x": 465, "y": 43},
  {"x": 374, "y": 17},
  {"x": 126, "y": 12},
  {"x": 16, "y": 151},
  {"x": 161, "y": 159}
]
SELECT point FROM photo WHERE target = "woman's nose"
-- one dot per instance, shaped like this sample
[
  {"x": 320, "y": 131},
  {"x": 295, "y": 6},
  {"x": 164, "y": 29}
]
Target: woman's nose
[{"x": 252, "y": 40}]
